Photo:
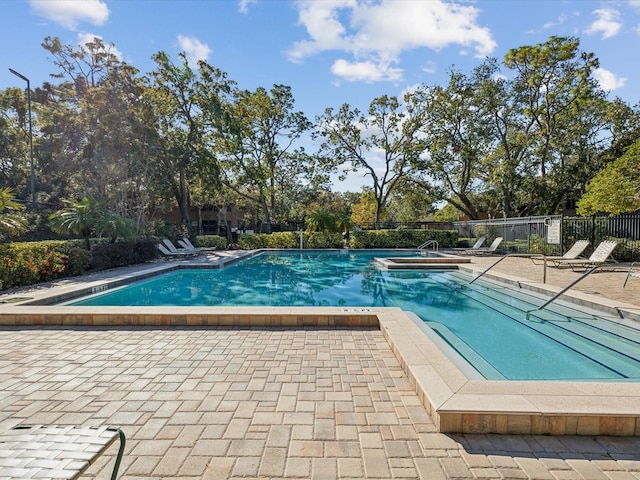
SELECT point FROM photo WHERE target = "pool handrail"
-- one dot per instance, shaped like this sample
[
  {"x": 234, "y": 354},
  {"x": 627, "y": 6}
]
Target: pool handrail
[
  {"x": 494, "y": 264},
  {"x": 589, "y": 271},
  {"x": 424, "y": 246}
]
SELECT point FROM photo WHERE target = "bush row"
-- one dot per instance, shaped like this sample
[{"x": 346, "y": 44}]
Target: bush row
[
  {"x": 402, "y": 238},
  {"x": 358, "y": 239},
  {"x": 120, "y": 254},
  {"x": 250, "y": 241},
  {"x": 211, "y": 241},
  {"x": 28, "y": 263}
]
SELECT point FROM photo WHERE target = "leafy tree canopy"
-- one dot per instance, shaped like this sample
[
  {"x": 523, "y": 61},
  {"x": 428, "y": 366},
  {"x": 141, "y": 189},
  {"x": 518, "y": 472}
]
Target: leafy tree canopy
[{"x": 616, "y": 188}]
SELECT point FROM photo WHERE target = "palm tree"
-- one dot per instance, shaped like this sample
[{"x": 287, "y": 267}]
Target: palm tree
[
  {"x": 79, "y": 218},
  {"x": 11, "y": 219}
]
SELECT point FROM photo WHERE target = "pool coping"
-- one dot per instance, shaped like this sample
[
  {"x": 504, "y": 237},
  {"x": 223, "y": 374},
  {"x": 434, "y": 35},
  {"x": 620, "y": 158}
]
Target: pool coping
[{"x": 456, "y": 402}]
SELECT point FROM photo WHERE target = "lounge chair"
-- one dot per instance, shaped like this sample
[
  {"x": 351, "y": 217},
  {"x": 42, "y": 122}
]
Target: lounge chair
[
  {"x": 187, "y": 245},
  {"x": 485, "y": 250},
  {"x": 574, "y": 252},
  {"x": 599, "y": 256},
  {"x": 55, "y": 451},
  {"x": 476, "y": 245},
  {"x": 178, "y": 253},
  {"x": 173, "y": 249},
  {"x": 633, "y": 272}
]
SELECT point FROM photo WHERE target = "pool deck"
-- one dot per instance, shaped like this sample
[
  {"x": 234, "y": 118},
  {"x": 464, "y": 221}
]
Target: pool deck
[{"x": 255, "y": 398}]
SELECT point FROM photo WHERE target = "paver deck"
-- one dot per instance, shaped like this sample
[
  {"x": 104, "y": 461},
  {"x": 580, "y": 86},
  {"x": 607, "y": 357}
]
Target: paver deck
[{"x": 232, "y": 402}]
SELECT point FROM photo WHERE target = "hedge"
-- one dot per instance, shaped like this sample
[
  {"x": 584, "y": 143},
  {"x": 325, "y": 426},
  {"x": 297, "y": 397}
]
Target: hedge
[
  {"x": 120, "y": 254},
  {"x": 250, "y": 241},
  {"x": 27, "y": 263},
  {"x": 211, "y": 241},
  {"x": 401, "y": 238}
]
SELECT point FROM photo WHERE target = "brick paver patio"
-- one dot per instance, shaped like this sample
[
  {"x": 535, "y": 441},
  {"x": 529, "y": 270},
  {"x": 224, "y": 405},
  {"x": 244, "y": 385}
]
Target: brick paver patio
[
  {"x": 267, "y": 403},
  {"x": 256, "y": 403}
]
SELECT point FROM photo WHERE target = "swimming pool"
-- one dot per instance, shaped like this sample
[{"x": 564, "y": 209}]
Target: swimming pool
[{"x": 485, "y": 324}]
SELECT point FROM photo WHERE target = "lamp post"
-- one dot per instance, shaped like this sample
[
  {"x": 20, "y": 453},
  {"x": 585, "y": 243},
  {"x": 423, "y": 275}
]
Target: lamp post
[{"x": 33, "y": 180}]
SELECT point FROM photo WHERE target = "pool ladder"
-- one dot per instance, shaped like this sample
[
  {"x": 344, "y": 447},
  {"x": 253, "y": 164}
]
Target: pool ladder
[{"x": 429, "y": 243}]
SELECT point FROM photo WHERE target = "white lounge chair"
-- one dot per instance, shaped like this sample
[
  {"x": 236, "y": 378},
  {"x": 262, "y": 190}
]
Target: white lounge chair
[
  {"x": 476, "y": 245},
  {"x": 574, "y": 252},
  {"x": 485, "y": 250},
  {"x": 187, "y": 245},
  {"x": 168, "y": 253},
  {"x": 173, "y": 249},
  {"x": 599, "y": 256}
]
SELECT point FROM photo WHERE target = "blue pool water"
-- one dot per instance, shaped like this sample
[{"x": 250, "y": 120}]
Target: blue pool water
[{"x": 486, "y": 324}]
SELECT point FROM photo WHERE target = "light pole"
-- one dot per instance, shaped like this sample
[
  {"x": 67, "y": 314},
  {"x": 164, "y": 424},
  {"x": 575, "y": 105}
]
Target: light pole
[{"x": 33, "y": 180}]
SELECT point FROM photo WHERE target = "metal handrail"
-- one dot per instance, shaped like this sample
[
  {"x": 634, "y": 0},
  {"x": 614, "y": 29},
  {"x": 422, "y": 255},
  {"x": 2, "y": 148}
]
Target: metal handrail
[
  {"x": 427, "y": 243},
  {"x": 494, "y": 264},
  {"x": 565, "y": 288},
  {"x": 585, "y": 274}
]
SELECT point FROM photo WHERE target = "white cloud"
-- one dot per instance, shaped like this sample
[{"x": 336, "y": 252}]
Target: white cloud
[
  {"x": 376, "y": 33},
  {"x": 430, "y": 67},
  {"x": 194, "y": 48},
  {"x": 608, "y": 81},
  {"x": 243, "y": 6},
  {"x": 84, "y": 38},
  {"x": 69, "y": 13},
  {"x": 555, "y": 23},
  {"x": 634, "y": 3},
  {"x": 608, "y": 23},
  {"x": 368, "y": 71}
]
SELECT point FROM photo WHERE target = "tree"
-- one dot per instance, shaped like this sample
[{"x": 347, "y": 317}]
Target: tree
[
  {"x": 558, "y": 105},
  {"x": 365, "y": 211},
  {"x": 14, "y": 142},
  {"x": 187, "y": 105},
  {"x": 79, "y": 218},
  {"x": 456, "y": 127},
  {"x": 95, "y": 126},
  {"x": 616, "y": 188},
  {"x": 256, "y": 150},
  {"x": 384, "y": 143},
  {"x": 410, "y": 204},
  {"x": 551, "y": 78}
]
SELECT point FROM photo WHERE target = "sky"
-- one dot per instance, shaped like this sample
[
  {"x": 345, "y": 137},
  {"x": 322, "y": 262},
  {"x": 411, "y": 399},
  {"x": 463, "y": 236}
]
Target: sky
[{"x": 329, "y": 52}]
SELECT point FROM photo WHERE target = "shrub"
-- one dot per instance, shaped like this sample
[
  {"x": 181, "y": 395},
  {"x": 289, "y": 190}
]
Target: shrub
[
  {"x": 283, "y": 240},
  {"x": 325, "y": 240},
  {"x": 26, "y": 263},
  {"x": 401, "y": 238},
  {"x": 250, "y": 241},
  {"x": 489, "y": 231},
  {"x": 78, "y": 261},
  {"x": 627, "y": 250},
  {"x": 211, "y": 241},
  {"x": 110, "y": 255}
]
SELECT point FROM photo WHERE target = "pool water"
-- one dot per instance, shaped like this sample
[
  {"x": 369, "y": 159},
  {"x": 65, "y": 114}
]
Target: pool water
[{"x": 486, "y": 324}]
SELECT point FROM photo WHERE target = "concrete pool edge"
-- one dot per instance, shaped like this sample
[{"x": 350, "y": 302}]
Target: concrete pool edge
[
  {"x": 455, "y": 402},
  {"x": 458, "y": 404}
]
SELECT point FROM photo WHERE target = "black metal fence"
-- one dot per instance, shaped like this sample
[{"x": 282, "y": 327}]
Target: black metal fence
[
  {"x": 625, "y": 229},
  {"x": 530, "y": 234}
]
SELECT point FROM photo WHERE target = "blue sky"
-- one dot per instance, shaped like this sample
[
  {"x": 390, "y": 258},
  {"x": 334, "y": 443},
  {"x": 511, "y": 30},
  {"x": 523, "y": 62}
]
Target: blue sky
[{"x": 329, "y": 52}]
